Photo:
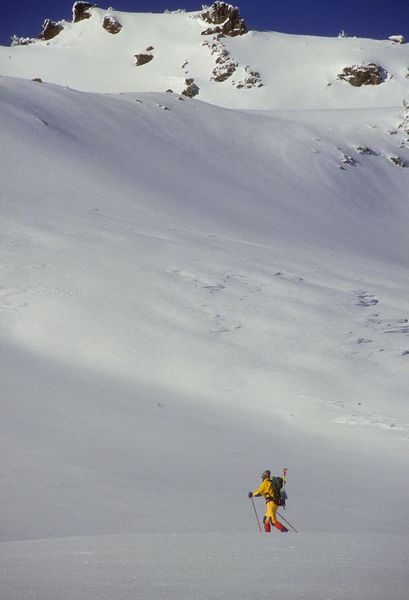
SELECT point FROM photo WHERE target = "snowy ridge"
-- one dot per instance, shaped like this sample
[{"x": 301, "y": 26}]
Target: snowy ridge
[
  {"x": 291, "y": 71},
  {"x": 190, "y": 294}
]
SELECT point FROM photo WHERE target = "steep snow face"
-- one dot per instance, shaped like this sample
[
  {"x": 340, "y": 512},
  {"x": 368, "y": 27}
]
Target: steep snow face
[
  {"x": 180, "y": 281},
  {"x": 190, "y": 295},
  {"x": 256, "y": 70}
]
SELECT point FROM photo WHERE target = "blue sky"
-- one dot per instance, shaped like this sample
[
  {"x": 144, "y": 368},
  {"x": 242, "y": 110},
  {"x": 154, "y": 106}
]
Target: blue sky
[{"x": 362, "y": 18}]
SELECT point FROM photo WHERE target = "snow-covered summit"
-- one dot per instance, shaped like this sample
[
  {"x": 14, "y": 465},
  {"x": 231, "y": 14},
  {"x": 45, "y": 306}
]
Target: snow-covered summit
[{"x": 212, "y": 52}]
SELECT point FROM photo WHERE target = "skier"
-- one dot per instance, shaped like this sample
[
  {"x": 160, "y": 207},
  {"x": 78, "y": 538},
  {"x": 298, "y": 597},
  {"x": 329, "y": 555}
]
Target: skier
[{"x": 266, "y": 490}]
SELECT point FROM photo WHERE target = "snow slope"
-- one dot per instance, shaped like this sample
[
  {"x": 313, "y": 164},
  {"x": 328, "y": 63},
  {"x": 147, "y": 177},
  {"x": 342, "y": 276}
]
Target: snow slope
[{"x": 190, "y": 294}]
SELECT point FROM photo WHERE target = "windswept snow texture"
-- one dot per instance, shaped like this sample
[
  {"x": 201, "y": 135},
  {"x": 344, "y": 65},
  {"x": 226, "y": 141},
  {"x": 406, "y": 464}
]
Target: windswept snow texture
[{"x": 192, "y": 292}]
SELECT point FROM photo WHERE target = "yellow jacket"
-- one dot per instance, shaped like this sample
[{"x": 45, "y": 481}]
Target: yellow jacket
[{"x": 265, "y": 489}]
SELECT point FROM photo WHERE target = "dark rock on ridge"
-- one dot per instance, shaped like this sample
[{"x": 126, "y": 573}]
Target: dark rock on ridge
[
  {"x": 50, "y": 30},
  {"x": 227, "y": 19},
  {"x": 22, "y": 41},
  {"x": 397, "y": 39},
  {"x": 80, "y": 11}
]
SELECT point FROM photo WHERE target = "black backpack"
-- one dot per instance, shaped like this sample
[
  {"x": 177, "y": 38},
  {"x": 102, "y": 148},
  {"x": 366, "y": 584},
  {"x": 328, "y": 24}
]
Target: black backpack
[{"x": 277, "y": 484}]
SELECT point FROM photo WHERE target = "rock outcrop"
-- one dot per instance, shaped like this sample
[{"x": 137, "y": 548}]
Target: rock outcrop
[
  {"x": 226, "y": 18},
  {"x": 22, "y": 41},
  {"x": 225, "y": 64},
  {"x": 365, "y": 150},
  {"x": 143, "y": 59},
  {"x": 358, "y": 75},
  {"x": 224, "y": 71},
  {"x": 111, "y": 25},
  {"x": 50, "y": 30},
  {"x": 80, "y": 11},
  {"x": 251, "y": 80},
  {"x": 398, "y": 161},
  {"x": 397, "y": 39},
  {"x": 191, "y": 89}
]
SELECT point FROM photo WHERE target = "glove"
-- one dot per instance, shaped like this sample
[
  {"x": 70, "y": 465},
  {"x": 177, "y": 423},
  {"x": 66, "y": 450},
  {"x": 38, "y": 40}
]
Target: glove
[{"x": 250, "y": 494}]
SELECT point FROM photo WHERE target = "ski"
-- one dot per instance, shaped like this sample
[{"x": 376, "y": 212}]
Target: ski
[
  {"x": 283, "y": 492},
  {"x": 285, "y": 473}
]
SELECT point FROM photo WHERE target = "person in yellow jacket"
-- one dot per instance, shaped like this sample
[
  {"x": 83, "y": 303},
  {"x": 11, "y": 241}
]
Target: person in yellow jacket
[{"x": 266, "y": 490}]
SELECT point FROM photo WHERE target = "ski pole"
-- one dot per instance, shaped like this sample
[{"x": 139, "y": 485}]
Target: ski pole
[
  {"x": 288, "y": 523},
  {"x": 255, "y": 512}
]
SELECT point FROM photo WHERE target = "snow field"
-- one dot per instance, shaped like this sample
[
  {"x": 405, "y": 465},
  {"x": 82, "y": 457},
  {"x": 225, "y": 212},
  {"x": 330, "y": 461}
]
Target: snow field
[{"x": 190, "y": 294}]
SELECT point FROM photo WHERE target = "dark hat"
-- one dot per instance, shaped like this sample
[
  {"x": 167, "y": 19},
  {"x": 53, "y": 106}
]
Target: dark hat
[{"x": 266, "y": 474}]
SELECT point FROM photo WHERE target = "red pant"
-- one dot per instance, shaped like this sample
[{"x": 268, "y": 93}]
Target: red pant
[{"x": 270, "y": 517}]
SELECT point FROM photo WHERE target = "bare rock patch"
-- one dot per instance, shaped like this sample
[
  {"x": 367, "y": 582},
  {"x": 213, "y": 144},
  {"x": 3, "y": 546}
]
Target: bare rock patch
[
  {"x": 191, "y": 89},
  {"x": 111, "y": 25},
  {"x": 50, "y": 30},
  {"x": 80, "y": 11},
  {"x": 226, "y": 18},
  {"x": 143, "y": 59},
  {"x": 359, "y": 75}
]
